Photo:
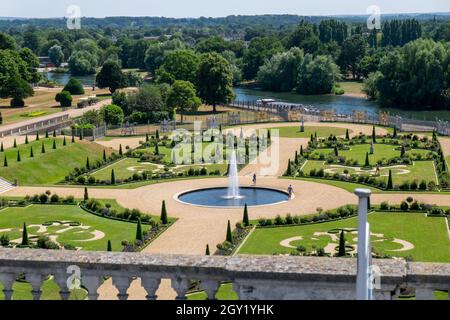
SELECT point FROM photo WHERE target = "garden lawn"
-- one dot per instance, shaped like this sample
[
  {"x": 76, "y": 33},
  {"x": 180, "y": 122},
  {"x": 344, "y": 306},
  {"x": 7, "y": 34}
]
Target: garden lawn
[
  {"x": 418, "y": 171},
  {"x": 294, "y": 132},
  {"x": 123, "y": 169},
  {"x": 52, "y": 166},
  {"x": 116, "y": 231},
  {"x": 428, "y": 235}
]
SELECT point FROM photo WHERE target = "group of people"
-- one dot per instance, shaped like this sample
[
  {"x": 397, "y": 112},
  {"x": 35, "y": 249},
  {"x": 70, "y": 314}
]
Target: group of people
[{"x": 290, "y": 189}]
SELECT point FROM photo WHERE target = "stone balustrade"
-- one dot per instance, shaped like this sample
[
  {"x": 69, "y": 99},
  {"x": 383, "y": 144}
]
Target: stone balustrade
[{"x": 253, "y": 277}]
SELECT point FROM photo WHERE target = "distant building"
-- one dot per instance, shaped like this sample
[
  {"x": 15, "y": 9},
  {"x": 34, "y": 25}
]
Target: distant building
[{"x": 45, "y": 62}]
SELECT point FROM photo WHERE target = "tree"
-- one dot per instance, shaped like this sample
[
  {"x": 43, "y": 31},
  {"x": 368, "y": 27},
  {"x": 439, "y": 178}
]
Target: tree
[
  {"x": 214, "y": 80},
  {"x": 259, "y": 50},
  {"x": 26, "y": 139},
  {"x": 18, "y": 89},
  {"x": 74, "y": 86},
  {"x": 370, "y": 85},
  {"x": 15, "y": 143},
  {"x": 367, "y": 162},
  {"x": 163, "y": 217},
  {"x": 64, "y": 141},
  {"x": 86, "y": 195},
  {"x": 245, "y": 219},
  {"x": 1, "y": 118},
  {"x": 112, "y": 114},
  {"x": 5, "y": 161},
  {"x": 280, "y": 72},
  {"x": 180, "y": 65},
  {"x": 120, "y": 150},
  {"x": 347, "y": 135},
  {"x": 25, "y": 241},
  {"x": 56, "y": 55},
  {"x": 402, "y": 151},
  {"x": 64, "y": 98},
  {"x": 110, "y": 76},
  {"x": 43, "y": 148},
  {"x": 1, "y": 147},
  {"x": 113, "y": 177},
  {"x": 104, "y": 155},
  {"x": 139, "y": 234},
  {"x": 54, "y": 144},
  {"x": 374, "y": 135},
  {"x": 18, "y": 156},
  {"x": 341, "y": 252},
  {"x": 304, "y": 37},
  {"x": 353, "y": 50},
  {"x": 317, "y": 75},
  {"x": 31, "y": 152},
  {"x": 109, "y": 246},
  {"x": 390, "y": 184},
  {"x": 7, "y": 42},
  {"x": 229, "y": 236},
  {"x": 183, "y": 98},
  {"x": 207, "y": 250},
  {"x": 82, "y": 63}
]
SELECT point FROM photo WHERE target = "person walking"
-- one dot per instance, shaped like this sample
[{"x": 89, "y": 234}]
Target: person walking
[
  {"x": 254, "y": 179},
  {"x": 290, "y": 191}
]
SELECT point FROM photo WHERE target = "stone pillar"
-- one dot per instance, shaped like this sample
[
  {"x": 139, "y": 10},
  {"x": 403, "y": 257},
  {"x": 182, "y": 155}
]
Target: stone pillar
[
  {"x": 61, "y": 280},
  {"x": 7, "y": 279},
  {"x": 150, "y": 285},
  {"x": 92, "y": 282},
  {"x": 181, "y": 286},
  {"x": 122, "y": 283},
  {"x": 35, "y": 279},
  {"x": 210, "y": 287}
]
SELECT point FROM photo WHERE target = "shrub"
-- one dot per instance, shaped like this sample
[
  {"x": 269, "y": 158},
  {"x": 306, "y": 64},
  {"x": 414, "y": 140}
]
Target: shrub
[
  {"x": 279, "y": 220},
  {"x": 74, "y": 87},
  {"x": 43, "y": 198},
  {"x": 384, "y": 205},
  {"x": 423, "y": 185},
  {"x": 54, "y": 198},
  {"x": 289, "y": 219},
  {"x": 404, "y": 206},
  {"x": 64, "y": 98},
  {"x": 436, "y": 211},
  {"x": 415, "y": 206}
]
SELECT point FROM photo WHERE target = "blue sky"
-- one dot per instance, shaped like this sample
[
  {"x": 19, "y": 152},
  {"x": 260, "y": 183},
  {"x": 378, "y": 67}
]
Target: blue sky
[{"x": 213, "y": 8}]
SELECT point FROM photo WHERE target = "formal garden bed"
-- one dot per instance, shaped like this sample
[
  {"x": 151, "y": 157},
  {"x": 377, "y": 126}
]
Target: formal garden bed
[{"x": 390, "y": 162}]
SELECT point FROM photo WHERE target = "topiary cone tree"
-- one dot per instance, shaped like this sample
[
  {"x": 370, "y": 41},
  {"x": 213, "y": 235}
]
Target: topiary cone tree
[
  {"x": 43, "y": 148},
  {"x": 86, "y": 195},
  {"x": 25, "y": 241},
  {"x": 336, "y": 151},
  {"x": 289, "y": 169},
  {"x": 1, "y": 147},
  {"x": 207, "y": 250},
  {"x": 163, "y": 217},
  {"x": 341, "y": 252},
  {"x": 139, "y": 234},
  {"x": 395, "y": 132},
  {"x": 245, "y": 219},
  {"x": 37, "y": 136},
  {"x": 15, "y": 143},
  {"x": 5, "y": 162},
  {"x": 46, "y": 133},
  {"x": 88, "y": 165},
  {"x": 156, "y": 149},
  {"x": 301, "y": 150},
  {"x": 18, "y": 156},
  {"x": 113, "y": 177},
  {"x": 73, "y": 138},
  {"x": 104, "y": 155},
  {"x": 402, "y": 152},
  {"x": 347, "y": 135},
  {"x": 229, "y": 236},
  {"x": 31, "y": 152},
  {"x": 109, "y": 247},
  {"x": 54, "y": 144},
  {"x": 120, "y": 150},
  {"x": 390, "y": 185},
  {"x": 367, "y": 162},
  {"x": 26, "y": 139},
  {"x": 64, "y": 141}
]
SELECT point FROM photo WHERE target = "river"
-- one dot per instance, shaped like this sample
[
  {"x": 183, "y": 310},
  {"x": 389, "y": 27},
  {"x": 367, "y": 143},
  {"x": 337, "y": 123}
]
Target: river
[{"x": 342, "y": 104}]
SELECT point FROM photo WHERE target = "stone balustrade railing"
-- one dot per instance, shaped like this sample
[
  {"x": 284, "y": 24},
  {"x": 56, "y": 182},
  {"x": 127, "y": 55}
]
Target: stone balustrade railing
[{"x": 253, "y": 277}]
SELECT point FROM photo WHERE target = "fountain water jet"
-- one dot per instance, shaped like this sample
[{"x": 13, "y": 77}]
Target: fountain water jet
[{"x": 233, "y": 178}]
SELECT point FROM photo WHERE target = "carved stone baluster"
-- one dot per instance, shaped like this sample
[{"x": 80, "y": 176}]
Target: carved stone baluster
[
  {"x": 150, "y": 285},
  {"x": 8, "y": 280},
  {"x": 210, "y": 287},
  {"x": 35, "y": 280},
  {"x": 91, "y": 282},
  {"x": 181, "y": 286},
  {"x": 423, "y": 293},
  {"x": 122, "y": 283},
  {"x": 61, "y": 280}
]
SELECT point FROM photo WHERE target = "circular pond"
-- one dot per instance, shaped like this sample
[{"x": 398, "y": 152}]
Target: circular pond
[{"x": 217, "y": 197}]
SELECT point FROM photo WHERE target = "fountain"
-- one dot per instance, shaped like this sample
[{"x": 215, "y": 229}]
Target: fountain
[
  {"x": 233, "y": 178},
  {"x": 232, "y": 196}
]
